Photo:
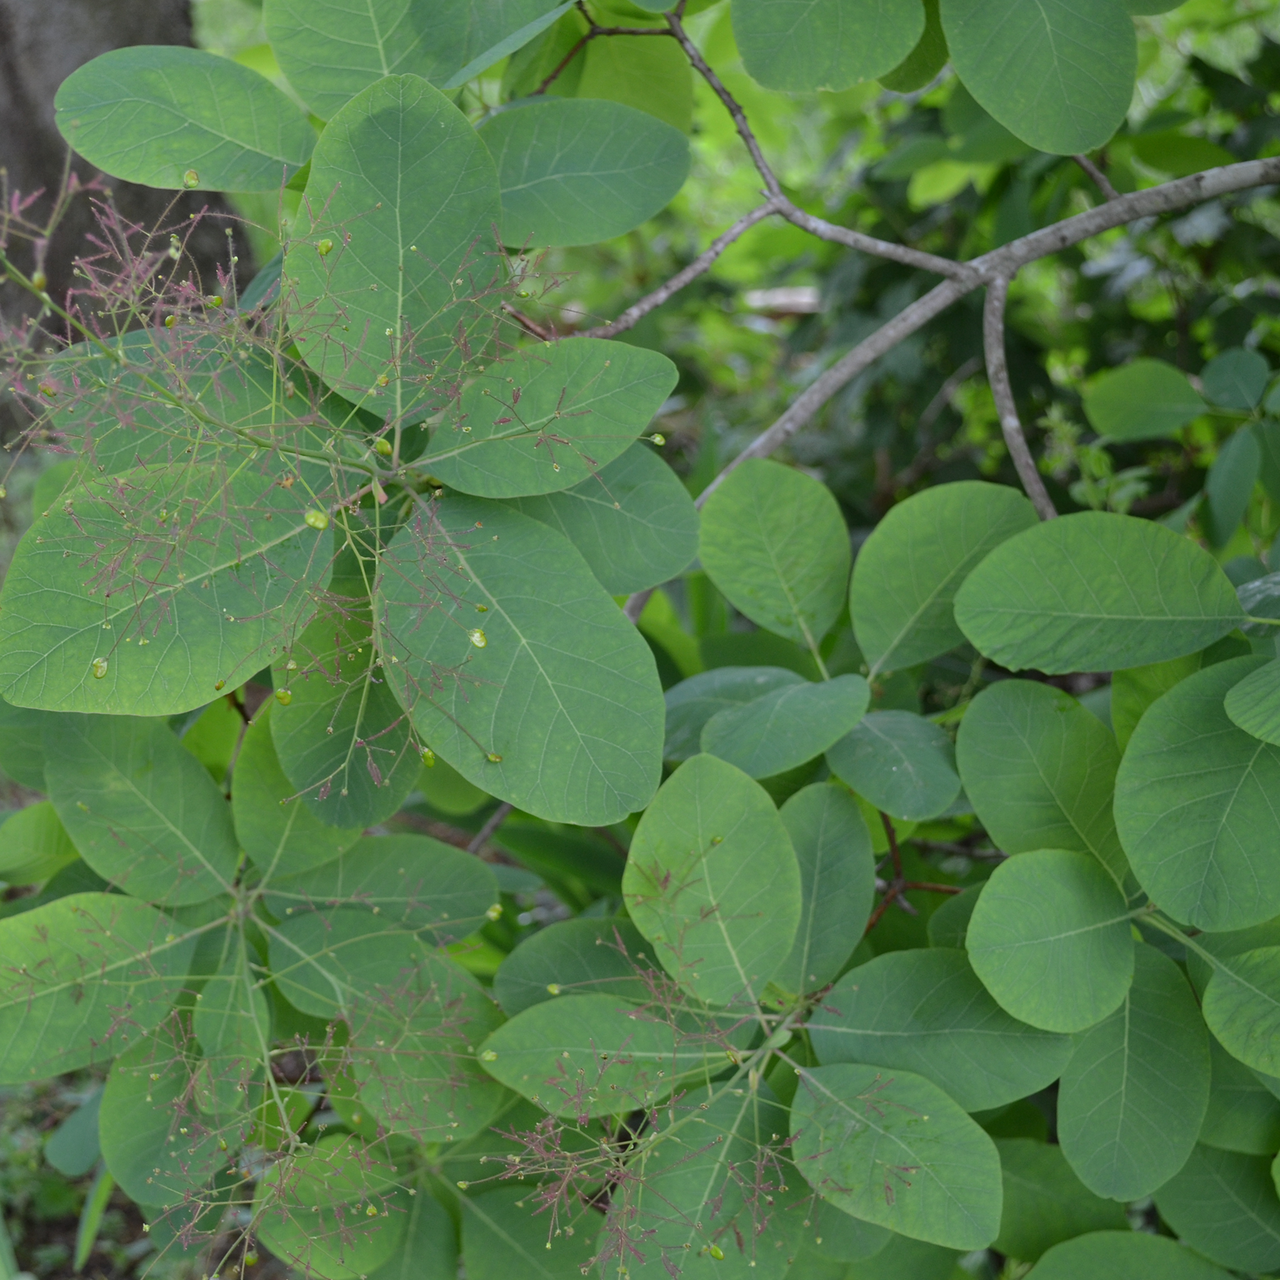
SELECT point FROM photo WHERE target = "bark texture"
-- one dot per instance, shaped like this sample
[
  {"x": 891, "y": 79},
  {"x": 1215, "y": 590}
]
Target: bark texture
[{"x": 41, "y": 43}]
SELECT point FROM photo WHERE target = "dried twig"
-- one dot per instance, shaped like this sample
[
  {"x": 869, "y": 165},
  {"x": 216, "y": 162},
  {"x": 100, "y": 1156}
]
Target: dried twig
[{"x": 1100, "y": 179}]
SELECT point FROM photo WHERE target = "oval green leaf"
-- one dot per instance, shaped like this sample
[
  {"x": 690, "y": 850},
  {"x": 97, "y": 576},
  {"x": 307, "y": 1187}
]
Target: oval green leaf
[
  {"x": 786, "y": 727},
  {"x": 901, "y": 763},
  {"x": 144, "y": 813},
  {"x": 1224, "y": 1205},
  {"x": 137, "y": 632},
  {"x": 1133, "y": 1096},
  {"x": 1195, "y": 806},
  {"x": 548, "y": 417},
  {"x": 1040, "y": 772},
  {"x": 179, "y": 118},
  {"x": 774, "y": 541},
  {"x": 407, "y": 194},
  {"x": 51, "y": 1019},
  {"x": 574, "y": 171},
  {"x": 1253, "y": 704},
  {"x": 1050, "y": 938},
  {"x": 1095, "y": 591},
  {"x": 1242, "y": 1007},
  {"x": 414, "y": 881},
  {"x": 1243, "y": 1113},
  {"x": 925, "y": 1011},
  {"x": 693, "y": 702},
  {"x": 1142, "y": 400},
  {"x": 802, "y": 45},
  {"x": 1121, "y": 1255},
  {"x": 837, "y": 883},
  {"x": 891, "y": 1148},
  {"x": 1057, "y": 73},
  {"x": 713, "y": 882},
  {"x": 273, "y": 826},
  {"x": 908, "y": 571},
  {"x": 560, "y": 712},
  {"x": 634, "y": 522}
]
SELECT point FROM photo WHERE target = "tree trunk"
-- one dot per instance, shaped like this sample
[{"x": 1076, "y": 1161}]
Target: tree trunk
[{"x": 41, "y": 43}]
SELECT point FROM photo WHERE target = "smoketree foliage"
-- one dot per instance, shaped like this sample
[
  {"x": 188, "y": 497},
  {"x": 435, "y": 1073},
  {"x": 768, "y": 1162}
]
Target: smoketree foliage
[{"x": 422, "y": 883}]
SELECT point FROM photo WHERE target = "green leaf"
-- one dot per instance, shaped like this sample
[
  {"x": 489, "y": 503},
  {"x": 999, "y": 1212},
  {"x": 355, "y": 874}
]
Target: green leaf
[
  {"x": 341, "y": 738},
  {"x": 1224, "y": 1205},
  {"x": 155, "y": 624},
  {"x": 787, "y": 726},
  {"x": 713, "y": 882},
  {"x": 171, "y": 117},
  {"x": 336, "y": 1242},
  {"x": 1057, "y": 73},
  {"x": 925, "y": 1011},
  {"x": 548, "y": 417},
  {"x": 407, "y": 193},
  {"x": 1194, "y": 806},
  {"x": 891, "y": 1148},
  {"x": 232, "y": 1022},
  {"x": 156, "y": 1144},
  {"x": 1229, "y": 485},
  {"x": 693, "y": 702},
  {"x": 1095, "y": 591},
  {"x": 576, "y": 172},
  {"x": 507, "y": 45},
  {"x": 802, "y": 45},
  {"x": 1134, "y": 1094},
  {"x": 415, "y": 1017},
  {"x": 642, "y": 72},
  {"x": 34, "y": 845},
  {"x": 1134, "y": 690},
  {"x": 143, "y": 812},
  {"x": 72, "y": 1148},
  {"x": 1236, "y": 379},
  {"x": 902, "y": 763},
  {"x": 1050, "y": 939},
  {"x": 503, "y": 1236},
  {"x": 572, "y": 958},
  {"x": 596, "y": 1055},
  {"x": 1242, "y": 1008},
  {"x": 407, "y": 880},
  {"x": 330, "y": 51},
  {"x": 1243, "y": 1114},
  {"x": 908, "y": 571},
  {"x": 1142, "y": 400},
  {"x": 837, "y": 883},
  {"x": 713, "y": 1173},
  {"x": 949, "y": 923},
  {"x": 774, "y": 542},
  {"x": 22, "y": 744},
  {"x": 273, "y": 826},
  {"x": 1121, "y": 1255},
  {"x": 564, "y": 691},
  {"x": 429, "y": 1250},
  {"x": 924, "y": 62},
  {"x": 634, "y": 522},
  {"x": 1040, "y": 772},
  {"x": 1044, "y": 1202},
  {"x": 1253, "y": 704}
]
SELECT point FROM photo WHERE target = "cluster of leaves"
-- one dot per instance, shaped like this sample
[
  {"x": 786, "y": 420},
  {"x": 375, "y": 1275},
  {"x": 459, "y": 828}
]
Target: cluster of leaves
[{"x": 333, "y": 569}]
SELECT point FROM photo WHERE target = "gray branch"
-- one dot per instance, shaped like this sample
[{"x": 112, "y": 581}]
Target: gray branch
[{"x": 1006, "y": 406}]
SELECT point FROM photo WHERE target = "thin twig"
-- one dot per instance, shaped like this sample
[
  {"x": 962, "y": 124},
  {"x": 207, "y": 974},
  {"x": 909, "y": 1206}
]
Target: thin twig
[
  {"x": 692, "y": 52},
  {"x": 1100, "y": 179},
  {"x": 637, "y": 311},
  {"x": 563, "y": 63},
  {"x": 636, "y": 603},
  {"x": 894, "y": 851},
  {"x": 494, "y": 821},
  {"x": 529, "y": 325},
  {"x": 825, "y": 230},
  {"x": 1003, "y": 261},
  {"x": 1001, "y": 388},
  {"x": 927, "y": 886}
]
